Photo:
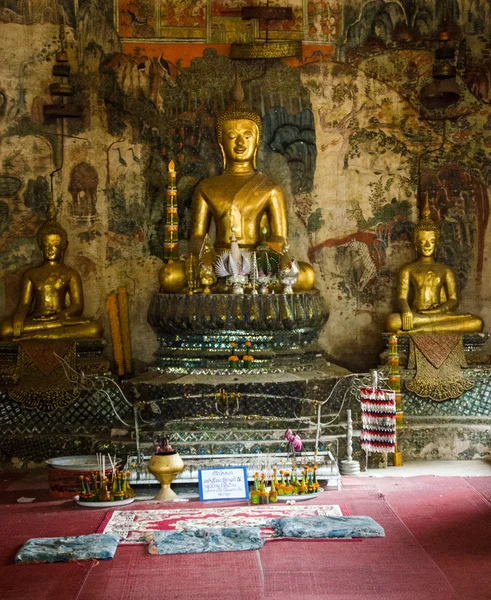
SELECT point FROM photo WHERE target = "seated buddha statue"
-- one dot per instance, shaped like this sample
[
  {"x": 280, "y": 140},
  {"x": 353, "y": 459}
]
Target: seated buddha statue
[
  {"x": 432, "y": 287},
  {"x": 51, "y": 301},
  {"x": 241, "y": 200}
]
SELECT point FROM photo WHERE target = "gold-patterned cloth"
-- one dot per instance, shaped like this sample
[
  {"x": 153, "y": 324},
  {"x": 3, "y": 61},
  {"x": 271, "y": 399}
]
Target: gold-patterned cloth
[
  {"x": 42, "y": 383},
  {"x": 438, "y": 359}
]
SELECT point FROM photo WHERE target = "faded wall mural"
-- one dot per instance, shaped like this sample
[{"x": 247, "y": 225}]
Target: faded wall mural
[{"x": 344, "y": 130}]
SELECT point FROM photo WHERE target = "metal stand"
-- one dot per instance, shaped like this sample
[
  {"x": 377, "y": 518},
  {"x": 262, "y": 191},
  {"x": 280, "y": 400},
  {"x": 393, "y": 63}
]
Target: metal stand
[{"x": 349, "y": 466}]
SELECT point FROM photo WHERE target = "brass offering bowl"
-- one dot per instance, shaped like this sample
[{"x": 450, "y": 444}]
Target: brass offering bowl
[{"x": 164, "y": 466}]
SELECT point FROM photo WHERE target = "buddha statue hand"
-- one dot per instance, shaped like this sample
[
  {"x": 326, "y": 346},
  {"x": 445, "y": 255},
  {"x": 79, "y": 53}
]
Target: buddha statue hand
[
  {"x": 407, "y": 320},
  {"x": 18, "y": 325}
]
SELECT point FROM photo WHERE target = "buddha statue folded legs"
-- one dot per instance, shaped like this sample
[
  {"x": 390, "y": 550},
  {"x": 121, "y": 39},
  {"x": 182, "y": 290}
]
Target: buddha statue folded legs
[
  {"x": 433, "y": 287},
  {"x": 51, "y": 302}
]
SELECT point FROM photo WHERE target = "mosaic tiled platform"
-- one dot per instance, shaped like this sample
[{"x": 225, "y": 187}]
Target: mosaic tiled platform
[
  {"x": 240, "y": 414},
  {"x": 457, "y": 429},
  {"x": 219, "y": 415}
]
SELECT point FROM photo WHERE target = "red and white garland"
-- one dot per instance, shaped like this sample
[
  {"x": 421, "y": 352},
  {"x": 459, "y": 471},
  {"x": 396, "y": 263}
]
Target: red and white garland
[{"x": 378, "y": 419}]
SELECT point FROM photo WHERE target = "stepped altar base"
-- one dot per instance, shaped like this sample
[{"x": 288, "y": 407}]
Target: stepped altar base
[
  {"x": 453, "y": 429},
  {"x": 33, "y": 375},
  {"x": 199, "y": 332},
  {"x": 235, "y": 419}
]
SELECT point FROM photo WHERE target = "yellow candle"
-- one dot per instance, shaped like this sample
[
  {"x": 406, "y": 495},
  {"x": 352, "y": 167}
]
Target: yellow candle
[
  {"x": 172, "y": 174},
  {"x": 124, "y": 319},
  {"x": 112, "y": 311}
]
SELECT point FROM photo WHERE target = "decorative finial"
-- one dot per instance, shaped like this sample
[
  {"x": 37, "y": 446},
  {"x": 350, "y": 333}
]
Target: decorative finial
[
  {"x": 237, "y": 91},
  {"x": 426, "y": 212},
  {"x": 52, "y": 212},
  {"x": 237, "y": 109},
  {"x": 426, "y": 223}
]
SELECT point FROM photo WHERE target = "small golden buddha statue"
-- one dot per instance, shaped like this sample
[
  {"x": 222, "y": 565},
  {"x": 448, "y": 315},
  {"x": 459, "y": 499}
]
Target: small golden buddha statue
[
  {"x": 51, "y": 302},
  {"x": 242, "y": 199},
  {"x": 433, "y": 287}
]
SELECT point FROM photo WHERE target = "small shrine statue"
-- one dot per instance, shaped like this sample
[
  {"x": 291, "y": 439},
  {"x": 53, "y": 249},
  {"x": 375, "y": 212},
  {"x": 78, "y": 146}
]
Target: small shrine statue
[
  {"x": 288, "y": 271},
  {"x": 51, "y": 302},
  {"x": 242, "y": 200},
  {"x": 433, "y": 287}
]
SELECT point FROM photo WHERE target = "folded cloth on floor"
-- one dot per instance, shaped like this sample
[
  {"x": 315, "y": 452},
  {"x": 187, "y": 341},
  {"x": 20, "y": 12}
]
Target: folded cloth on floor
[
  {"x": 327, "y": 527},
  {"x": 101, "y": 546},
  {"x": 209, "y": 539}
]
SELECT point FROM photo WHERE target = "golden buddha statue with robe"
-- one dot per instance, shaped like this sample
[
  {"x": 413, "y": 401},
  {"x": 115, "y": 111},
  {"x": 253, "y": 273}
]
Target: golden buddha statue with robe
[
  {"x": 51, "y": 301},
  {"x": 240, "y": 199},
  {"x": 433, "y": 287}
]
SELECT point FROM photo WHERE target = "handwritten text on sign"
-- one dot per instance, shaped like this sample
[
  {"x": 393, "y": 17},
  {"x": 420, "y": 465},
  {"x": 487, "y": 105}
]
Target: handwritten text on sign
[{"x": 224, "y": 483}]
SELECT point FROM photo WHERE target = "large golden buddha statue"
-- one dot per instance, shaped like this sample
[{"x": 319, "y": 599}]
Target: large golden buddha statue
[
  {"x": 241, "y": 201},
  {"x": 433, "y": 288},
  {"x": 51, "y": 301}
]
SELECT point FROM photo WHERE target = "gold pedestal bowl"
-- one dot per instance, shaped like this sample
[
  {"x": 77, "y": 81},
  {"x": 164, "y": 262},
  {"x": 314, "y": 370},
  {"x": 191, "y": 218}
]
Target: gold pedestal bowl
[{"x": 164, "y": 466}]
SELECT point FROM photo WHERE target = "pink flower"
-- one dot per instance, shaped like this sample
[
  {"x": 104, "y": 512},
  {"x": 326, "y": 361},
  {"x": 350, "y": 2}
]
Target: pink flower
[
  {"x": 289, "y": 435},
  {"x": 297, "y": 443}
]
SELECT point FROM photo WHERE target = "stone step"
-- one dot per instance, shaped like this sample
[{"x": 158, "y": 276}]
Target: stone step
[
  {"x": 243, "y": 423},
  {"x": 242, "y": 446},
  {"x": 231, "y": 433},
  {"x": 223, "y": 435}
]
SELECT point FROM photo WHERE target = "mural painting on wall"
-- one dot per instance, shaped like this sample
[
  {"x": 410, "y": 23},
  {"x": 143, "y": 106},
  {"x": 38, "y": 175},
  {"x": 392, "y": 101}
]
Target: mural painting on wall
[
  {"x": 227, "y": 25},
  {"x": 171, "y": 19},
  {"x": 31, "y": 11},
  {"x": 285, "y": 29},
  {"x": 461, "y": 205},
  {"x": 232, "y": 30},
  {"x": 318, "y": 21},
  {"x": 137, "y": 18},
  {"x": 183, "y": 18},
  {"x": 324, "y": 20},
  {"x": 83, "y": 189},
  {"x": 24, "y": 193}
]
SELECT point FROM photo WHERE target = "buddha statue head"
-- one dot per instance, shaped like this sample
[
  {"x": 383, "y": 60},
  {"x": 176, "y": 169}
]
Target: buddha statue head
[
  {"x": 238, "y": 129},
  {"x": 52, "y": 240},
  {"x": 426, "y": 233}
]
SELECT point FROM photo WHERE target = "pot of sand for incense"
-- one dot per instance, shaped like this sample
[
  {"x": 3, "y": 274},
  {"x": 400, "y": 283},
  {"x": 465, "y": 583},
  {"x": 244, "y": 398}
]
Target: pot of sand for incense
[{"x": 164, "y": 465}]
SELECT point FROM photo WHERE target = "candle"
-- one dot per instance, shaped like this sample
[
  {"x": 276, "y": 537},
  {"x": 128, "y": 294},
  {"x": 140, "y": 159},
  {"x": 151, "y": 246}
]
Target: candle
[
  {"x": 124, "y": 320},
  {"x": 172, "y": 174},
  {"x": 115, "y": 326}
]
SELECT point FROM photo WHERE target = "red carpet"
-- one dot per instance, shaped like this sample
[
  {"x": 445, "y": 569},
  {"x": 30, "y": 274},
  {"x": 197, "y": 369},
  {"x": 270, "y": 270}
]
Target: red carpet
[
  {"x": 482, "y": 485},
  {"x": 437, "y": 547}
]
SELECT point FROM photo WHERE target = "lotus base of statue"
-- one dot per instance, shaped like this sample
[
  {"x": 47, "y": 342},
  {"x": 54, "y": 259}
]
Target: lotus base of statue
[
  {"x": 195, "y": 332},
  {"x": 164, "y": 466}
]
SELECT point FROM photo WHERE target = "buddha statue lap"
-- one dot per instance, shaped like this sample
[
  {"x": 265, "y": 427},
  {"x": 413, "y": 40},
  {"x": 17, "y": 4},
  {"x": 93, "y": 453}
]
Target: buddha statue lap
[
  {"x": 51, "y": 301},
  {"x": 433, "y": 287},
  {"x": 241, "y": 201}
]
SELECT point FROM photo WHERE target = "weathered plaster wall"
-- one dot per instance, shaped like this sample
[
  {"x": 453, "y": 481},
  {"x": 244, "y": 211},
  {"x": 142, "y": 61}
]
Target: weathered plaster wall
[{"x": 342, "y": 131}]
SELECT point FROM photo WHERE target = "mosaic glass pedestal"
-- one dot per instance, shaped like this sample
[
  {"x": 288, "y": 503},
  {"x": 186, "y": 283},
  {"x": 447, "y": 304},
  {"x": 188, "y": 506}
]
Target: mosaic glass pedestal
[
  {"x": 198, "y": 333},
  {"x": 455, "y": 429}
]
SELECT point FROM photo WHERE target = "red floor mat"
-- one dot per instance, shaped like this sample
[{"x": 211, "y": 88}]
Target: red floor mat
[{"x": 437, "y": 547}]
